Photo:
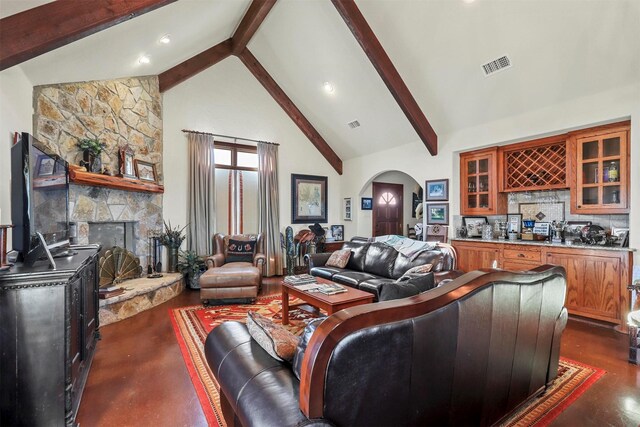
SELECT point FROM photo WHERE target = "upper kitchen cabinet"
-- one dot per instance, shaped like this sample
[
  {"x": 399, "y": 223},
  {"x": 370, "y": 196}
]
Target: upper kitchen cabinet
[
  {"x": 600, "y": 170},
  {"x": 479, "y": 183}
]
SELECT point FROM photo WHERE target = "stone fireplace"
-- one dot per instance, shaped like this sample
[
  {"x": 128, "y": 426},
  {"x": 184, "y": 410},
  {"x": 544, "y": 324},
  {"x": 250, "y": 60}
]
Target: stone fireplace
[{"x": 117, "y": 113}]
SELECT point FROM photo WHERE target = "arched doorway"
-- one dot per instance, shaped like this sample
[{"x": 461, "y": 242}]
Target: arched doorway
[{"x": 394, "y": 200}]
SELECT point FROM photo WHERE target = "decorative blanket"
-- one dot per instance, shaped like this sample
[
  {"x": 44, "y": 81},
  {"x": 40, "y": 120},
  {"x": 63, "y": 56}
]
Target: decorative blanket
[{"x": 407, "y": 247}]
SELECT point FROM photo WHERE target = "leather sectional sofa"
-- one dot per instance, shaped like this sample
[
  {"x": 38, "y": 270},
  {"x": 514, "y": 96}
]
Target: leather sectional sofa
[
  {"x": 372, "y": 266},
  {"x": 469, "y": 352}
]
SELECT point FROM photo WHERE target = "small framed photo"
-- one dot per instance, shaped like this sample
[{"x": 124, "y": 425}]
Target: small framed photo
[
  {"x": 337, "y": 231},
  {"x": 366, "y": 203},
  {"x": 437, "y": 190},
  {"x": 346, "y": 209},
  {"x": 126, "y": 162},
  {"x": 146, "y": 171},
  {"x": 514, "y": 223},
  {"x": 621, "y": 235},
  {"x": 45, "y": 165},
  {"x": 474, "y": 224},
  {"x": 437, "y": 213}
]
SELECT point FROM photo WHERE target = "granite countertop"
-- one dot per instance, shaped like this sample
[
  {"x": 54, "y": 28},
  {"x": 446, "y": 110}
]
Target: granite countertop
[{"x": 543, "y": 243}]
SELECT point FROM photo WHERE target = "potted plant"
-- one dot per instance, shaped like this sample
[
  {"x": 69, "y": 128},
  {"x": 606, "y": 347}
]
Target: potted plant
[
  {"x": 191, "y": 265},
  {"x": 91, "y": 149},
  {"x": 172, "y": 238}
]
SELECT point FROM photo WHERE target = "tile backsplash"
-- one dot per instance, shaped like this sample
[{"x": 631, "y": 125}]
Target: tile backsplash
[{"x": 554, "y": 205}]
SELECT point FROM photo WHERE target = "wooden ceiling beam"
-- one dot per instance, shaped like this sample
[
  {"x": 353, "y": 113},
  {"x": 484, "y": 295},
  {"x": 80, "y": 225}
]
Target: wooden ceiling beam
[
  {"x": 194, "y": 65},
  {"x": 36, "y": 31},
  {"x": 290, "y": 108},
  {"x": 257, "y": 12},
  {"x": 367, "y": 39}
]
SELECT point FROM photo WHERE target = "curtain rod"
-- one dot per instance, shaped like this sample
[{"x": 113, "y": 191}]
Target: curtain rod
[{"x": 227, "y": 136}]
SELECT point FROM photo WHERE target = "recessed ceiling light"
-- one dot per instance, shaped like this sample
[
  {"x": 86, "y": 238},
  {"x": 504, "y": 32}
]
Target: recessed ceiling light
[
  {"x": 328, "y": 87},
  {"x": 144, "y": 59},
  {"x": 166, "y": 39},
  {"x": 468, "y": 1}
]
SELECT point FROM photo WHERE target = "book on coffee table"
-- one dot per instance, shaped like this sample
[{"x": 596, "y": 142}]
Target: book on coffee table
[
  {"x": 300, "y": 279},
  {"x": 331, "y": 289}
]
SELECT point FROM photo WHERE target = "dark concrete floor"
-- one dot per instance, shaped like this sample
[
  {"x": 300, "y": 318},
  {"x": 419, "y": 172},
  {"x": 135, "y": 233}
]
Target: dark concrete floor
[{"x": 138, "y": 377}]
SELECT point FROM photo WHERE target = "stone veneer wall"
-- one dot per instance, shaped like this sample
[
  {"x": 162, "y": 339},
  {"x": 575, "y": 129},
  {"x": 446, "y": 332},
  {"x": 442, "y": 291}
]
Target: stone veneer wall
[{"x": 117, "y": 112}]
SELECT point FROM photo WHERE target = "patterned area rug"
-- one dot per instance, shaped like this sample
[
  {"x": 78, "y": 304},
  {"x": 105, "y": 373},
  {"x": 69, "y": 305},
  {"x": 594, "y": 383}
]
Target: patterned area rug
[{"x": 192, "y": 324}]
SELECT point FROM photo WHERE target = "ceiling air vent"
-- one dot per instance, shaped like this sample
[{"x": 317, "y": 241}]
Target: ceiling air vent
[
  {"x": 354, "y": 124},
  {"x": 496, "y": 65}
]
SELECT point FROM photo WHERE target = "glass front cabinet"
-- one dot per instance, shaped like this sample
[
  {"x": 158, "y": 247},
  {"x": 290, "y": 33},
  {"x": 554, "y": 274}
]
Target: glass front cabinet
[
  {"x": 601, "y": 172},
  {"x": 479, "y": 184}
]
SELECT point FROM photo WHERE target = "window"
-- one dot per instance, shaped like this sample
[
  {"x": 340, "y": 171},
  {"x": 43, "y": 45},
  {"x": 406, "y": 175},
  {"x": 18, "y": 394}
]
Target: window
[
  {"x": 387, "y": 199},
  {"x": 236, "y": 188}
]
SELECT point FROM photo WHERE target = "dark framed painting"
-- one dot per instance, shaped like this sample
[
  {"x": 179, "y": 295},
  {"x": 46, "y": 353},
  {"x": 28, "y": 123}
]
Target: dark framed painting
[
  {"x": 308, "y": 198},
  {"x": 146, "y": 171},
  {"x": 437, "y": 213},
  {"x": 437, "y": 190},
  {"x": 366, "y": 203}
]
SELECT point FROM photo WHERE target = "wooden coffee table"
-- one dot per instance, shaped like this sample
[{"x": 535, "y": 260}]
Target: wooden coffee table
[{"x": 328, "y": 303}]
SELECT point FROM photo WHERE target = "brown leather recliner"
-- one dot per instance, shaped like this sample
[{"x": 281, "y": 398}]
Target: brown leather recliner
[{"x": 226, "y": 280}]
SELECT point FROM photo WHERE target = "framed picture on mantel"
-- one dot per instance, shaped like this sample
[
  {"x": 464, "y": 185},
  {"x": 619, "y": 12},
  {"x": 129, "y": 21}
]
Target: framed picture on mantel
[{"x": 126, "y": 162}]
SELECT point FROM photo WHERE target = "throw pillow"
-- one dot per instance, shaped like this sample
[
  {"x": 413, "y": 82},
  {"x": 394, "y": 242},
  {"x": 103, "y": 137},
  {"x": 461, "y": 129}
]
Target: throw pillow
[
  {"x": 420, "y": 269},
  {"x": 240, "y": 251},
  {"x": 274, "y": 339},
  {"x": 339, "y": 258}
]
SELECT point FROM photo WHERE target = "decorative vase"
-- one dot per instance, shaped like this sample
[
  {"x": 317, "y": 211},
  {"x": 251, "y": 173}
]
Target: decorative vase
[
  {"x": 172, "y": 259},
  {"x": 194, "y": 280}
]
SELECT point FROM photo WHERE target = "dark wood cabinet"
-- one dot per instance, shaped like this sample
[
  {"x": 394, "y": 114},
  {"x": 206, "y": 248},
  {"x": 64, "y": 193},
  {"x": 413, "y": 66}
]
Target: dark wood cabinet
[
  {"x": 48, "y": 333},
  {"x": 596, "y": 278}
]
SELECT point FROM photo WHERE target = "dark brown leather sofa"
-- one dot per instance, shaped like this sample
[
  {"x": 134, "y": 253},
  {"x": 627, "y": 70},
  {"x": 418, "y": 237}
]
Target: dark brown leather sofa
[
  {"x": 466, "y": 353},
  {"x": 372, "y": 266}
]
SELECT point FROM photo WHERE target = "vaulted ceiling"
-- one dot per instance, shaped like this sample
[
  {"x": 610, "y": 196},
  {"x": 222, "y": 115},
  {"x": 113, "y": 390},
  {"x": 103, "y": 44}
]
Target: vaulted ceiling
[{"x": 560, "y": 50}]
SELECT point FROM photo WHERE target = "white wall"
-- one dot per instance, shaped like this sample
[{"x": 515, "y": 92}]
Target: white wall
[
  {"x": 227, "y": 99},
  {"x": 16, "y": 94},
  {"x": 413, "y": 158},
  {"x": 365, "y": 218}
]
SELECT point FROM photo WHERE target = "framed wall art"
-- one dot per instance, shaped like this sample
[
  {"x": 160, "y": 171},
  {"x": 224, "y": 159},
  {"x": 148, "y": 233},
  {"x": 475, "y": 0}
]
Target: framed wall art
[
  {"x": 346, "y": 209},
  {"x": 437, "y": 213},
  {"x": 366, "y": 203},
  {"x": 146, "y": 171},
  {"x": 437, "y": 190},
  {"x": 308, "y": 198}
]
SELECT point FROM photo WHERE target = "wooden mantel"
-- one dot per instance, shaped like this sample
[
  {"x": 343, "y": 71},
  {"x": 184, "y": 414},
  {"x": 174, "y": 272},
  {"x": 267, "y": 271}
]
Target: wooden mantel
[{"x": 80, "y": 177}]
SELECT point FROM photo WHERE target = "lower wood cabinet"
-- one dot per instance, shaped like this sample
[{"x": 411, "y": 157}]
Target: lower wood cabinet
[
  {"x": 597, "y": 279},
  {"x": 48, "y": 333}
]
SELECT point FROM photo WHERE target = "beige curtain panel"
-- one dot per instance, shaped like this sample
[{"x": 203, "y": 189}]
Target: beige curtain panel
[
  {"x": 202, "y": 195},
  {"x": 268, "y": 206}
]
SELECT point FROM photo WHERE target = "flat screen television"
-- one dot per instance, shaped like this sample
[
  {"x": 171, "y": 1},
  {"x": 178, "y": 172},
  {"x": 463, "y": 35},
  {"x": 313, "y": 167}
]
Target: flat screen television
[{"x": 39, "y": 197}]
